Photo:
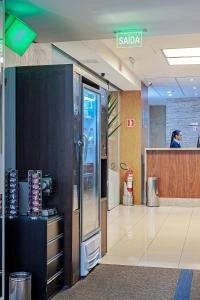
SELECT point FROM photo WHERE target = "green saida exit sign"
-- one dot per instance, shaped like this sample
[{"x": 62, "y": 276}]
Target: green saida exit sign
[{"x": 129, "y": 39}]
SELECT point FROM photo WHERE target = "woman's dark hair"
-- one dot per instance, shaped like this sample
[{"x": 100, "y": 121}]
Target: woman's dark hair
[{"x": 174, "y": 133}]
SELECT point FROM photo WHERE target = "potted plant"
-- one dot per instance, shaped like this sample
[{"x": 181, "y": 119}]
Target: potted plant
[{"x": 112, "y": 116}]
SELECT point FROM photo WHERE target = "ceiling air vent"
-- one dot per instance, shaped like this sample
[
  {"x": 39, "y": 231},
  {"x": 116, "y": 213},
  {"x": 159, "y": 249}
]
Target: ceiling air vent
[{"x": 89, "y": 61}]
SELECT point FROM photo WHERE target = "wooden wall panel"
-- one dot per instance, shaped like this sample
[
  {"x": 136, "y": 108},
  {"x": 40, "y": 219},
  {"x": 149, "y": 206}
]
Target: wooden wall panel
[
  {"x": 178, "y": 172},
  {"x": 130, "y": 139}
]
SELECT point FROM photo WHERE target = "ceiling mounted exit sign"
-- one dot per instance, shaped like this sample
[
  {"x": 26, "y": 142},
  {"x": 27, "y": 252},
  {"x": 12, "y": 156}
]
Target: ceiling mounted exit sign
[{"x": 129, "y": 39}]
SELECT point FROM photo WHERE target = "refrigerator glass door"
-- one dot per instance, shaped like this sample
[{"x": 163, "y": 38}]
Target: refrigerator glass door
[
  {"x": 77, "y": 137},
  {"x": 90, "y": 163}
]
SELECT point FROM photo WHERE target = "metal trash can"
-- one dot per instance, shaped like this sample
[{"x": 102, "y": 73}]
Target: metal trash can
[
  {"x": 152, "y": 191},
  {"x": 20, "y": 286}
]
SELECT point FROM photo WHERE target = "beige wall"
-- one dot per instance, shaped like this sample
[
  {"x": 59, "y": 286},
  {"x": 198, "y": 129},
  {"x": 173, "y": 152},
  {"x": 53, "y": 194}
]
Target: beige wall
[
  {"x": 130, "y": 139},
  {"x": 37, "y": 54}
]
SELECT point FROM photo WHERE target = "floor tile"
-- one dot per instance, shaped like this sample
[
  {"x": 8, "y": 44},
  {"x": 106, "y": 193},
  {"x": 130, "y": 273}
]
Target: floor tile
[{"x": 155, "y": 237}]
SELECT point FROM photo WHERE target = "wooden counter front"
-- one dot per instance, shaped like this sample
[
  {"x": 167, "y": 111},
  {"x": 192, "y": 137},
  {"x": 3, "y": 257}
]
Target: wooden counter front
[{"x": 178, "y": 171}]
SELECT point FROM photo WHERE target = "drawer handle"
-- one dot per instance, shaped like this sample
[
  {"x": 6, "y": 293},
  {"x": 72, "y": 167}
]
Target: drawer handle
[
  {"x": 54, "y": 220},
  {"x": 54, "y": 258},
  {"x": 55, "y": 276},
  {"x": 55, "y": 238}
]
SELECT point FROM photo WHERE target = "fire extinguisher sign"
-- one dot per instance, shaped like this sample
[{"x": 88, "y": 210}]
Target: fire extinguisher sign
[{"x": 130, "y": 122}]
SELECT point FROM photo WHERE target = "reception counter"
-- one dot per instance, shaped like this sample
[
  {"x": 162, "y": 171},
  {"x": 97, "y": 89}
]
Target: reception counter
[{"x": 178, "y": 171}]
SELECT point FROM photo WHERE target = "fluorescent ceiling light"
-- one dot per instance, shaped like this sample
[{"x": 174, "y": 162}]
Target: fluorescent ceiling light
[
  {"x": 183, "y": 56},
  {"x": 182, "y": 52},
  {"x": 184, "y": 61}
]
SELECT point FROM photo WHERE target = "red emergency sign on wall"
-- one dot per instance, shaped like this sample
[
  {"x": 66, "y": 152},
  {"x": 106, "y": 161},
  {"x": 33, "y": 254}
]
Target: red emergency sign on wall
[{"x": 130, "y": 122}]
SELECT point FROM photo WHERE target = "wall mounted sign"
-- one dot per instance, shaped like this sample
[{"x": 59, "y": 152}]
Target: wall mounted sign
[
  {"x": 129, "y": 39},
  {"x": 18, "y": 35},
  {"x": 131, "y": 122}
]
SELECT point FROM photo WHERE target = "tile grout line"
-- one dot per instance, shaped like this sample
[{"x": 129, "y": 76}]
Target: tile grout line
[
  {"x": 145, "y": 214},
  {"x": 186, "y": 236},
  {"x": 164, "y": 221},
  {"x": 159, "y": 231},
  {"x": 128, "y": 231},
  {"x": 118, "y": 218}
]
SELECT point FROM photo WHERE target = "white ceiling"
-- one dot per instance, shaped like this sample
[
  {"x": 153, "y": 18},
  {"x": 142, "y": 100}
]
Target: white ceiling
[
  {"x": 150, "y": 65},
  {"x": 169, "y": 24},
  {"x": 67, "y": 20},
  {"x": 147, "y": 63}
]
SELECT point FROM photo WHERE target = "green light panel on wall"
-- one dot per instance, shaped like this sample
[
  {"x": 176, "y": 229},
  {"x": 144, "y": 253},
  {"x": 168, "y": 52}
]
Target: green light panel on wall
[{"x": 19, "y": 36}]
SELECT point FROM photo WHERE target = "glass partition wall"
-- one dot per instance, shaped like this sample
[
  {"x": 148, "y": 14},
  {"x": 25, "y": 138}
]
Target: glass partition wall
[{"x": 2, "y": 196}]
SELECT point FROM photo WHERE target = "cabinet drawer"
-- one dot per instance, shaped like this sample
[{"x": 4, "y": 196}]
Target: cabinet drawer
[
  {"x": 55, "y": 284},
  {"x": 54, "y": 228},
  {"x": 54, "y": 265},
  {"x": 55, "y": 246}
]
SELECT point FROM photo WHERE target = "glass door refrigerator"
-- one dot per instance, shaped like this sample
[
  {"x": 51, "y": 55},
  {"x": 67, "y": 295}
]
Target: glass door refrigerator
[{"x": 90, "y": 180}]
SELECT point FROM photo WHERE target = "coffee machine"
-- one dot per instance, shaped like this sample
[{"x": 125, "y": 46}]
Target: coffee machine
[{"x": 47, "y": 192}]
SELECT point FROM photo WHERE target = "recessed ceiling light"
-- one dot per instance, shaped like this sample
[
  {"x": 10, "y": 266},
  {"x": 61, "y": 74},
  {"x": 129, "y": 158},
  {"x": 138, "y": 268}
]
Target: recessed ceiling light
[
  {"x": 196, "y": 94},
  {"x": 191, "y": 79},
  {"x": 182, "y": 52},
  {"x": 194, "y": 87},
  {"x": 183, "y": 56},
  {"x": 184, "y": 61}
]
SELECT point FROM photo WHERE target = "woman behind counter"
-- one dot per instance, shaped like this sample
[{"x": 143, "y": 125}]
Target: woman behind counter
[{"x": 175, "y": 139}]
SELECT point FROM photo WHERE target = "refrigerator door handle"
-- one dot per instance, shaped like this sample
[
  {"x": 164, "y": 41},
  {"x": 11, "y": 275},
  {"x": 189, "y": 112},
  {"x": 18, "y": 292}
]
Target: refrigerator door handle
[{"x": 79, "y": 143}]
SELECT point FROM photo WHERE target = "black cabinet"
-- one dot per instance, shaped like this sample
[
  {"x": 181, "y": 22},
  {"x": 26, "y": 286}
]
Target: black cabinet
[
  {"x": 36, "y": 246},
  {"x": 47, "y": 113},
  {"x": 48, "y": 118}
]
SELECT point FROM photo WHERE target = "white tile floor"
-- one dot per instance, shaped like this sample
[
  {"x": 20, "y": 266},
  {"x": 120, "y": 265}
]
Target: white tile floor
[{"x": 157, "y": 237}]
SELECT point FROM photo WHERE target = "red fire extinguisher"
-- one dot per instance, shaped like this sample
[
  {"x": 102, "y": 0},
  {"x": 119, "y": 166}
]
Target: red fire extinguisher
[
  {"x": 128, "y": 185},
  {"x": 128, "y": 178}
]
